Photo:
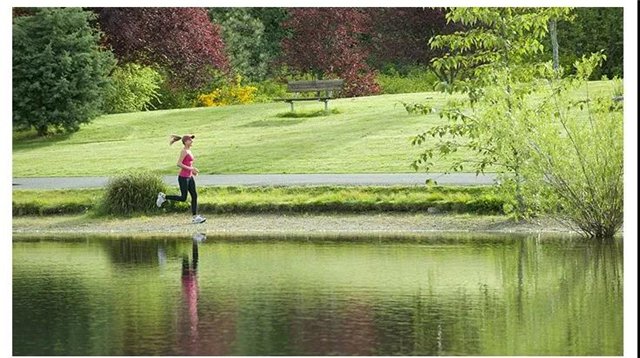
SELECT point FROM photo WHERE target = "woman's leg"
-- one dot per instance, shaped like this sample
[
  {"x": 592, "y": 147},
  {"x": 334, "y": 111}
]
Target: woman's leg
[
  {"x": 183, "y": 190},
  {"x": 194, "y": 196}
]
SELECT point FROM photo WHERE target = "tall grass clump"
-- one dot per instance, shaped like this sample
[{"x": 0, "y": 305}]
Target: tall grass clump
[{"x": 131, "y": 193}]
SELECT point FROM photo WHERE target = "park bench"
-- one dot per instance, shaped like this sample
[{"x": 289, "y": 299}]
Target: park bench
[{"x": 318, "y": 86}]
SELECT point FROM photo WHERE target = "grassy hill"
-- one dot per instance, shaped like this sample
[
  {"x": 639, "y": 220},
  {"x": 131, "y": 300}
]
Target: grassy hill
[{"x": 368, "y": 135}]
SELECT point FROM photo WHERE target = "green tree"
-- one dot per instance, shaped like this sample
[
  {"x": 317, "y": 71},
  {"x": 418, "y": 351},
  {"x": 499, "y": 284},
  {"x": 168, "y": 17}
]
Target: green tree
[
  {"x": 244, "y": 39},
  {"x": 272, "y": 19},
  {"x": 60, "y": 71},
  {"x": 552, "y": 148},
  {"x": 499, "y": 48}
]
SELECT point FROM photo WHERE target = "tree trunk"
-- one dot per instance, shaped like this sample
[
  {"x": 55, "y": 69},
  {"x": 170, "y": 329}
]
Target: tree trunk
[{"x": 554, "y": 43}]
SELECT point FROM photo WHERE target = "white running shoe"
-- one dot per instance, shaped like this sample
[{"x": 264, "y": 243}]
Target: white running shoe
[
  {"x": 198, "y": 219},
  {"x": 161, "y": 199}
]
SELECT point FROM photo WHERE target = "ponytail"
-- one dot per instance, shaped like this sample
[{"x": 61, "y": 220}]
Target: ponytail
[{"x": 174, "y": 138}]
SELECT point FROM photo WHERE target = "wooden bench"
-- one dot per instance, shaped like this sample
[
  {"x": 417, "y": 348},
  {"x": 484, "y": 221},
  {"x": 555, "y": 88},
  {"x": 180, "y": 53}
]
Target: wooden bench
[{"x": 326, "y": 86}]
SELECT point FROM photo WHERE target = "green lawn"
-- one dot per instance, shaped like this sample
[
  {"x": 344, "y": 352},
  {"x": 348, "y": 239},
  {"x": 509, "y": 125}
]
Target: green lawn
[{"x": 368, "y": 135}]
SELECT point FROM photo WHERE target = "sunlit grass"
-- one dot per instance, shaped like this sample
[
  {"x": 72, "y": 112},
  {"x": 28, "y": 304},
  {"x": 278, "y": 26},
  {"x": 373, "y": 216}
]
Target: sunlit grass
[
  {"x": 367, "y": 135},
  {"x": 282, "y": 199}
]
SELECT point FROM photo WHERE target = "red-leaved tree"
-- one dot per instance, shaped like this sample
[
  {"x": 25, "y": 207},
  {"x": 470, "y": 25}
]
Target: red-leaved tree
[
  {"x": 401, "y": 35},
  {"x": 180, "y": 39},
  {"x": 325, "y": 42}
]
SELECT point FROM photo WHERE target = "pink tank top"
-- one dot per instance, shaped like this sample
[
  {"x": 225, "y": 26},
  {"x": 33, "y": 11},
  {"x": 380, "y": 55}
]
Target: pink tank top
[{"x": 188, "y": 160}]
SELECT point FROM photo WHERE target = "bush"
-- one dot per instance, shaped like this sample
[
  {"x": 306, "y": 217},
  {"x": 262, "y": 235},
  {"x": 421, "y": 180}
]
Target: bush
[
  {"x": 579, "y": 150},
  {"x": 133, "y": 89},
  {"x": 418, "y": 79},
  {"x": 268, "y": 90},
  {"x": 60, "y": 71},
  {"x": 227, "y": 95},
  {"x": 131, "y": 193}
]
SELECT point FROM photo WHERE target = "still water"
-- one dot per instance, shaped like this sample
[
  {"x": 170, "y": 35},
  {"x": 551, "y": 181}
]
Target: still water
[{"x": 433, "y": 296}]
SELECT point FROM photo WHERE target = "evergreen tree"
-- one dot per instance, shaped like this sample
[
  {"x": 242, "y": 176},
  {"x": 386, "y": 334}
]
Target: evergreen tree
[{"x": 60, "y": 71}]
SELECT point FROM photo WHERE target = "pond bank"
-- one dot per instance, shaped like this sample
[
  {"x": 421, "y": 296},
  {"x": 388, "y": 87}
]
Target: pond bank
[{"x": 329, "y": 224}]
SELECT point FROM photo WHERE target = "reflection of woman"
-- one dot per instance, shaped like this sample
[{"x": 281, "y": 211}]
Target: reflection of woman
[{"x": 190, "y": 290}]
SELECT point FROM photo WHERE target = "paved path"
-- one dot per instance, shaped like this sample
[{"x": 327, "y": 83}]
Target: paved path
[{"x": 272, "y": 180}]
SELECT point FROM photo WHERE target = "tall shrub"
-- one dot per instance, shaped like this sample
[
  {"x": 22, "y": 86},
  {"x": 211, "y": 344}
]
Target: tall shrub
[
  {"x": 60, "y": 71},
  {"x": 591, "y": 30},
  {"x": 577, "y": 147}
]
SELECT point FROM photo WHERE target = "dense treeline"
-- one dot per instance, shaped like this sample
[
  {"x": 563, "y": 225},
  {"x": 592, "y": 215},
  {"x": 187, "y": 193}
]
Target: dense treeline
[{"x": 184, "y": 57}]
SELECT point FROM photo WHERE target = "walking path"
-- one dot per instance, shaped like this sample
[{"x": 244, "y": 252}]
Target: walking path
[{"x": 273, "y": 180}]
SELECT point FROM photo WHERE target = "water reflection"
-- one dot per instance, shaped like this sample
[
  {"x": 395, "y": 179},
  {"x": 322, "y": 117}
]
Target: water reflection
[{"x": 504, "y": 296}]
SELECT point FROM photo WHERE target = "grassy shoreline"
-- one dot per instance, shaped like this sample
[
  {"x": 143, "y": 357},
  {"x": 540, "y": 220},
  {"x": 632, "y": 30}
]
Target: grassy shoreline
[{"x": 281, "y": 200}]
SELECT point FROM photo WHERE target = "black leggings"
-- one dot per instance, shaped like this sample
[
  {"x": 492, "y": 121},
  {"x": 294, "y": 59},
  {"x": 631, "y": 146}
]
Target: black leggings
[{"x": 186, "y": 184}]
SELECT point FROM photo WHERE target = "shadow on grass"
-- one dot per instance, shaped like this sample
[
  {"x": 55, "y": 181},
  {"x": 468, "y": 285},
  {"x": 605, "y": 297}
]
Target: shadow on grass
[
  {"x": 273, "y": 123},
  {"x": 308, "y": 114},
  {"x": 23, "y": 140}
]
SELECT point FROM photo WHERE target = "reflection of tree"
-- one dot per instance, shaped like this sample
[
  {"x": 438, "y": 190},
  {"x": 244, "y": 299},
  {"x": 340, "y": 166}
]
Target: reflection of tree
[
  {"x": 558, "y": 298},
  {"x": 51, "y": 316},
  {"x": 131, "y": 251},
  {"x": 334, "y": 329}
]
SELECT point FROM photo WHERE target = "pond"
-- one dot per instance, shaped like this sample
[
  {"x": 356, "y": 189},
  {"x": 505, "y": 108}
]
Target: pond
[{"x": 441, "y": 295}]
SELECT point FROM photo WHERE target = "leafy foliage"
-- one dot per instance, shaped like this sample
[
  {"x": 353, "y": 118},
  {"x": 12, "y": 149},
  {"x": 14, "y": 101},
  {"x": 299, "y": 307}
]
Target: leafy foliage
[
  {"x": 417, "y": 79},
  {"x": 133, "y": 89},
  {"x": 325, "y": 42},
  {"x": 183, "y": 40},
  {"x": 491, "y": 120},
  {"x": 272, "y": 19},
  {"x": 550, "y": 154},
  {"x": 592, "y": 29},
  {"x": 60, "y": 71},
  {"x": 228, "y": 95}
]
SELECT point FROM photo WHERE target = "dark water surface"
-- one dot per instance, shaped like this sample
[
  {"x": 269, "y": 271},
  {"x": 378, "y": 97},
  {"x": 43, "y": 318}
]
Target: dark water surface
[{"x": 453, "y": 296}]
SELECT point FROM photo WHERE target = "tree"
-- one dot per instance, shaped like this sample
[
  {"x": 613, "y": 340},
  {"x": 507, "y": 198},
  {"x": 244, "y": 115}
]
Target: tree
[
  {"x": 60, "y": 71},
  {"x": 272, "y": 19},
  {"x": 183, "y": 40},
  {"x": 552, "y": 148},
  {"x": 325, "y": 42},
  {"x": 500, "y": 47},
  {"x": 399, "y": 37},
  {"x": 243, "y": 35}
]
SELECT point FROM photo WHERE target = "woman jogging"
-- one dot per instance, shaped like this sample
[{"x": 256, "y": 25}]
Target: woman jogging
[{"x": 185, "y": 178}]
